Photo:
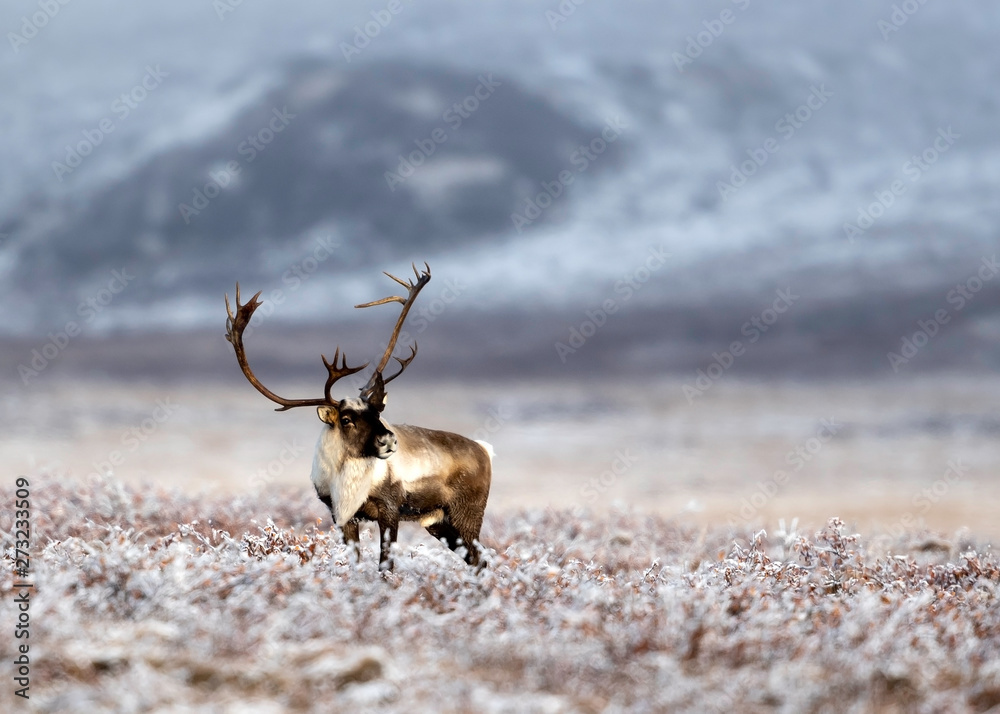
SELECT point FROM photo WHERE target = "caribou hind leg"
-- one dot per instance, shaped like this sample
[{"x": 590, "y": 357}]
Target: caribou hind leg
[{"x": 456, "y": 540}]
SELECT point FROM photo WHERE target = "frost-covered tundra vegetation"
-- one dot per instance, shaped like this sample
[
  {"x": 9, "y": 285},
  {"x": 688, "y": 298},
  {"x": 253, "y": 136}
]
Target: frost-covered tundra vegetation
[{"x": 153, "y": 600}]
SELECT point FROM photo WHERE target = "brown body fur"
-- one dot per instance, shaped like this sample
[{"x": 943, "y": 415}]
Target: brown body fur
[{"x": 436, "y": 477}]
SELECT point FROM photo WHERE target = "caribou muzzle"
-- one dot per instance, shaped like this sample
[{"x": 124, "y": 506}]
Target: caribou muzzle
[{"x": 385, "y": 445}]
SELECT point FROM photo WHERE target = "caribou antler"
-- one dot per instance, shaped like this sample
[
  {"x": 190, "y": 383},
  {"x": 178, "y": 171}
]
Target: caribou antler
[
  {"x": 235, "y": 324},
  {"x": 413, "y": 288}
]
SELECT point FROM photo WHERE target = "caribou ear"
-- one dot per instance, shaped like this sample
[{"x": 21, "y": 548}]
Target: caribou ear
[
  {"x": 328, "y": 414},
  {"x": 375, "y": 394}
]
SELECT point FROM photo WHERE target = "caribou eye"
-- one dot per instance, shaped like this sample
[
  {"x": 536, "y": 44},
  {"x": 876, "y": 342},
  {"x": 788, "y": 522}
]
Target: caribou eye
[{"x": 345, "y": 421}]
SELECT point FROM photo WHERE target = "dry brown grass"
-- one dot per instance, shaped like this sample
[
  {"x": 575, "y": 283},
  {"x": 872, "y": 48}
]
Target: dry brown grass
[{"x": 151, "y": 600}]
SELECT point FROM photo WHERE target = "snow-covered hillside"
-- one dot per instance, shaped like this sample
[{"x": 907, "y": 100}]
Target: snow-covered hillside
[{"x": 532, "y": 155}]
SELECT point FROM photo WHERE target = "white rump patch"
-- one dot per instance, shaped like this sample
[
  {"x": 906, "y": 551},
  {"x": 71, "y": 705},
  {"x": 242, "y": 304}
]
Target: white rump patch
[{"x": 488, "y": 447}]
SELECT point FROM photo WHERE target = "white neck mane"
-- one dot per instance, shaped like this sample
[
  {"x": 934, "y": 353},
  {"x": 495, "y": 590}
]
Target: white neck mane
[{"x": 347, "y": 481}]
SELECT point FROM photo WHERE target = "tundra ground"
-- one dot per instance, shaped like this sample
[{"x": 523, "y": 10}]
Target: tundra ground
[
  {"x": 638, "y": 560},
  {"x": 147, "y": 599}
]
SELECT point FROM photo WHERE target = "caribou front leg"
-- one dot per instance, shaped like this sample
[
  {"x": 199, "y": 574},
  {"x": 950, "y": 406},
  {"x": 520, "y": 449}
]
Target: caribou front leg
[
  {"x": 388, "y": 527},
  {"x": 352, "y": 538}
]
